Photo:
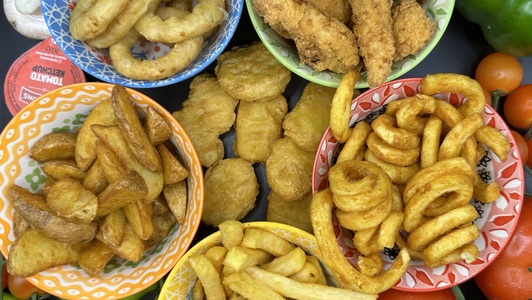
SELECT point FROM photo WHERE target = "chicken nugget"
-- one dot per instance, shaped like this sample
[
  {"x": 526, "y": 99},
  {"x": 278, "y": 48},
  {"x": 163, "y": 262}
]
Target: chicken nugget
[
  {"x": 207, "y": 113},
  {"x": 251, "y": 73},
  {"x": 309, "y": 119},
  {"x": 294, "y": 213},
  {"x": 231, "y": 188},
  {"x": 412, "y": 27},
  {"x": 257, "y": 126},
  {"x": 289, "y": 169}
]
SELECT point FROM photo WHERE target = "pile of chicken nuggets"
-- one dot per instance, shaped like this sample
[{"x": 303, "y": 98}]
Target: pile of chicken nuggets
[
  {"x": 245, "y": 96},
  {"x": 345, "y": 35}
]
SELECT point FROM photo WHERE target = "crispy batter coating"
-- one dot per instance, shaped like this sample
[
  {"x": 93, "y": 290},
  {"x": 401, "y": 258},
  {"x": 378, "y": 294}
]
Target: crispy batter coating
[
  {"x": 372, "y": 21},
  {"x": 412, "y": 27}
]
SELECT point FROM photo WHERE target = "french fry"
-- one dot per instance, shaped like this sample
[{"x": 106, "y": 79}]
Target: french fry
[
  {"x": 217, "y": 256},
  {"x": 133, "y": 131},
  {"x": 259, "y": 239},
  {"x": 209, "y": 277},
  {"x": 232, "y": 232},
  {"x": 239, "y": 258},
  {"x": 243, "y": 284},
  {"x": 288, "y": 264}
]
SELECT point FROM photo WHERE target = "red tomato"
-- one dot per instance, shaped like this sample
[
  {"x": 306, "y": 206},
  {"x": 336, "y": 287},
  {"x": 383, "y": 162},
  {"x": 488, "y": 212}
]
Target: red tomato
[
  {"x": 529, "y": 161},
  {"x": 393, "y": 294},
  {"x": 509, "y": 276},
  {"x": 21, "y": 288},
  {"x": 518, "y": 107},
  {"x": 521, "y": 146},
  {"x": 499, "y": 72}
]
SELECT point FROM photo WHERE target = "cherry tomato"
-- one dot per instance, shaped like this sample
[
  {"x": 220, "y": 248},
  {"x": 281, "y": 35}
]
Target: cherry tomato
[
  {"x": 529, "y": 161},
  {"x": 518, "y": 107},
  {"x": 392, "y": 294},
  {"x": 487, "y": 95},
  {"x": 499, "y": 72},
  {"x": 509, "y": 275},
  {"x": 521, "y": 146},
  {"x": 21, "y": 288}
]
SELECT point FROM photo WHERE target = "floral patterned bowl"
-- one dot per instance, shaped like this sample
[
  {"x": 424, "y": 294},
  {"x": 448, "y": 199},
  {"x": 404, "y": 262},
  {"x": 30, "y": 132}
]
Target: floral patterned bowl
[
  {"x": 284, "y": 50},
  {"x": 97, "y": 62},
  {"x": 65, "y": 109},
  {"x": 497, "y": 220},
  {"x": 180, "y": 282}
]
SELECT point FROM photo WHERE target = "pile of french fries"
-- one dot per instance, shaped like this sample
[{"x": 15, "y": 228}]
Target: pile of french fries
[
  {"x": 254, "y": 263},
  {"x": 113, "y": 188}
]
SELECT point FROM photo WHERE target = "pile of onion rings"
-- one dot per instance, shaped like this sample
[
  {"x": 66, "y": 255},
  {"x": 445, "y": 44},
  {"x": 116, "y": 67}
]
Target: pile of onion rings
[
  {"x": 406, "y": 179},
  {"x": 119, "y": 24}
]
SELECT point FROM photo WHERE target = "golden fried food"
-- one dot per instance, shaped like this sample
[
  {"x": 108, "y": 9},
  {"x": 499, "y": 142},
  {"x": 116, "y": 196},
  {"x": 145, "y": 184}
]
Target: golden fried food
[
  {"x": 308, "y": 120},
  {"x": 54, "y": 146},
  {"x": 295, "y": 213},
  {"x": 207, "y": 113},
  {"x": 356, "y": 144},
  {"x": 258, "y": 126},
  {"x": 251, "y": 72},
  {"x": 289, "y": 170},
  {"x": 341, "y": 106},
  {"x": 90, "y": 18},
  {"x": 231, "y": 188},
  {"x": 372, "y": 26}
]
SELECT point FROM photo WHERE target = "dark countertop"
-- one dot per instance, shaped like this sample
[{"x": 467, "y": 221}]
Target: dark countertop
[{"x": 459, "y": 51}]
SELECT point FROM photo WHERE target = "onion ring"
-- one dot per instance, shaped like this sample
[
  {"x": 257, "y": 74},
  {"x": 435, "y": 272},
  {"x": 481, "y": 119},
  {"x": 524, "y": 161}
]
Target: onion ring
[
  {"x": 486, "y": 192},
  {"x": 432, "y": 190},
  {"x": 206, "y": 15},
  {"x": 390, "y": 154},
  {"x": 430, "y": 143},
  {"x": 358, "y": 185},
  {"x": 89, "y": 18},
  {"x": 437, "y": 251},
  {"x": 121, "y": 25},
  {"x": 341, "y": 106},
  {"x": 494, "y": 140},
  {"x": 456, "y": 83},
  {"x": 408, "y": 114},
  {"x": 431, "y": 230},
  {"x": 179, "y": 57},
  {"x": 455, "y": 139},
  {"x": 370, "y": 265},
  {"x": 321, "y": 217},
  {"x": 384, "y": 127},
  {"x": 397, "y": 174},
  {"x": 365, "y": 219},
  {"x": 356, "y": 143}
]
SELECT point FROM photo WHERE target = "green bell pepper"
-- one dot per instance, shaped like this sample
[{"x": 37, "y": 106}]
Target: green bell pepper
[{"x": 506, "y": 24}]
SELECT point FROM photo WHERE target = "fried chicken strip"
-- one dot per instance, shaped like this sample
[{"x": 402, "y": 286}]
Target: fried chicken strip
[
  {"x": 323, "y": 43},
  {"x": 372, "y": 25},
  {"x": 412, "y": 28}
]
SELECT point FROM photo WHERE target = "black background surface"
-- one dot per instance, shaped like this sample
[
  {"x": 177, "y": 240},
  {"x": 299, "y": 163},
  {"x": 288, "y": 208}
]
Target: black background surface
[{"x": 459, "y": 51}]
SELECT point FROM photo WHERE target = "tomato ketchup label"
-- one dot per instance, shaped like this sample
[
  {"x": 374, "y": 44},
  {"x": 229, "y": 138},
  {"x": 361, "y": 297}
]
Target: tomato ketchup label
[{"x": 41, "y": 69}]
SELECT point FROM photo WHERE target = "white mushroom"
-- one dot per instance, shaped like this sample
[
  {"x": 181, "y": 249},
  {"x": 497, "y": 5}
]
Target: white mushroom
[{"x": 26, "y": 17}]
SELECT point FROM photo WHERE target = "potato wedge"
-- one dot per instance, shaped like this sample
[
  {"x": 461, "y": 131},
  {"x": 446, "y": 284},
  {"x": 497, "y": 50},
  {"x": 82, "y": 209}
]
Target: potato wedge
[
  {"x": 156, "y": 127},
  {"x": 112, "y": 138},
  {"x": 19, "y": 224},
  {"x": 159, "y": 206},
  {"x": 86, "y": 141},
  {"x": 162, "y": 224},
  {"x": 129, "y": 188},
  {"x": 112, "y": 228},
  {"x": 34, "y": 252},
  {"x": 112, "y": 167},
  {"x": 58, "y": 169},
  {"x": 132, "y": 129},
  {"x": 173, "y": 170},
  {"x": 53, "y": 146},
  {"x": 138, "y": 214},
  {"x": 95, "y": 256},
  {"x": 95, "y": 180},
  {"x": 176, "y": 197},
  {"x": 132, "y": 246},
  {"x": 33, "y": 208},
  {"x": 72, "y": 201}
]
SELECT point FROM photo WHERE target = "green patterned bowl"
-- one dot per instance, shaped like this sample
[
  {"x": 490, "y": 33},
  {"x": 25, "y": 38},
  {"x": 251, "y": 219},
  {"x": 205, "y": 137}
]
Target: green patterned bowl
[{"x": 439, "y": 10}]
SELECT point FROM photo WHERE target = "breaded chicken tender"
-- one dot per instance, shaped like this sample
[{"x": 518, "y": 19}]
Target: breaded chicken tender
[
  {"x": 207, "y": 113},
  {"x": 231, "y": 189},
  {"x": 257, "y": 126},
  {"x": 372, "y": 25},
  {"x": 251, "y": 73},
  {"x": 289, "y": 170},
  {"x": 323, "y": 42},
  {"x": 309, "y": 119},
  {"x": 338, "y": 9},
  {"x": 412, "y": 27}
]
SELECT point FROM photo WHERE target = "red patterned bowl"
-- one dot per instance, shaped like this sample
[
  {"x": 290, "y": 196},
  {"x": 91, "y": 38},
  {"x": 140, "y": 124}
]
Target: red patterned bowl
[{"x": 497, "y": 220}]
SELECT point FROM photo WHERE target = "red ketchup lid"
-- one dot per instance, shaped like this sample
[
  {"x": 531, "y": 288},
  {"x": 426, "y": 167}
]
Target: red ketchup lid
[{"x": 41, "y": 69}]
